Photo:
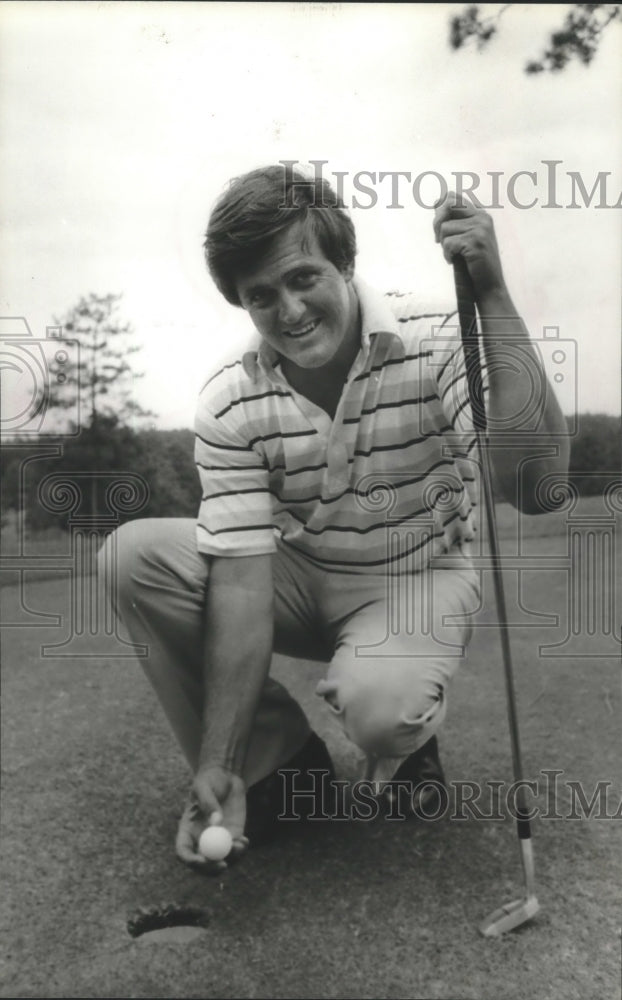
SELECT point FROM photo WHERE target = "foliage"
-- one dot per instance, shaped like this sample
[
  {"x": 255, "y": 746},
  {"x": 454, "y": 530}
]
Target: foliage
[
  {"x": 165, "y": 460},
  {"x": 469, "y": 25},
  {"x": 578, "y": 37},
  {"x": 103, "y": 377},
  {"x": 596, "y": 450}
]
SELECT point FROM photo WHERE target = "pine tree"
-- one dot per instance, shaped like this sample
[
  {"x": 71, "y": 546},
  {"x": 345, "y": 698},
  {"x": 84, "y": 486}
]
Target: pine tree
[{"x": 103, "y": 378}]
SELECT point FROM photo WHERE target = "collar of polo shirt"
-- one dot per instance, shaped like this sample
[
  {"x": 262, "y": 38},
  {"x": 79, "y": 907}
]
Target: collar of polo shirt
[{"x": 376, "y": 318}]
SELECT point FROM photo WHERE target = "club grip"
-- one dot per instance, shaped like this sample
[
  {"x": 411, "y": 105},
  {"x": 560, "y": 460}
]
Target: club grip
[{"x": 465, "y": 297}]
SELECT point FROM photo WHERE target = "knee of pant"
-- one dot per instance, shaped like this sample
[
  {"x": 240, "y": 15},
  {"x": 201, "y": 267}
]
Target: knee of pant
[
  {"x": 118, "y": 558},
  {"x": 384, "y": 719}
]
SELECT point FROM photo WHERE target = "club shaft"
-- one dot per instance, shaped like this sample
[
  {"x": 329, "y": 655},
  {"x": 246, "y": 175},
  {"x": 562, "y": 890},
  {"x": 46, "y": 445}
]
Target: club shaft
[
  {"x": 504, "y": 635},
  {"x": 468, "y": 329}
]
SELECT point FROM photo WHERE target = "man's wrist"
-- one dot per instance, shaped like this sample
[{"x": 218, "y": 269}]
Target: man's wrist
[
  {"x": 227, "y": 758},
  {"x": 496, "y": 304}
]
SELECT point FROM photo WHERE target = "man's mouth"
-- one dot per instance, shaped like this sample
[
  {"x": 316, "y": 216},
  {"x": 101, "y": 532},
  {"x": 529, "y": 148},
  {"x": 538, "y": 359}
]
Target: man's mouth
[{"x": 302, "y": 331}]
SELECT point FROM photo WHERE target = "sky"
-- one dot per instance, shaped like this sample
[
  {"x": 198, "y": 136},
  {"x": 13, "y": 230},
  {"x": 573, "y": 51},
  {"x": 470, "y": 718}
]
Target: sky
[{"x": 120, "y": 124}]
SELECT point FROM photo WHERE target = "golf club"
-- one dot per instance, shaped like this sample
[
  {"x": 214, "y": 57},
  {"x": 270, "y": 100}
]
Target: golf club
[{"x": 514, "y": 914}]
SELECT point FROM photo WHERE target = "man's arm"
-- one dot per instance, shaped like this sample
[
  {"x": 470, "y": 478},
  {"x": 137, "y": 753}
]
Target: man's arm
[
  {"x": 237, "y": 653},
  {"x": 516, "y": 378},
  {"x": 513, "y": 390}
]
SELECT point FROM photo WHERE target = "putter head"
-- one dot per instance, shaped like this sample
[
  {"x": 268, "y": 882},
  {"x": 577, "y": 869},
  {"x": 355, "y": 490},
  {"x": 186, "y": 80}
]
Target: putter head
[{"x": 507, "y": 917}]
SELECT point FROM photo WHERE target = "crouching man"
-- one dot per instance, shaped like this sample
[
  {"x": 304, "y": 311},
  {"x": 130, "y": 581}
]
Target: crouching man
[{"x": 337, "y": 461}]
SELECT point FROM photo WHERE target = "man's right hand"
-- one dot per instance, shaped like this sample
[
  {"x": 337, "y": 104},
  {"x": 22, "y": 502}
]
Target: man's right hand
[{"x": 216, "y": 792}]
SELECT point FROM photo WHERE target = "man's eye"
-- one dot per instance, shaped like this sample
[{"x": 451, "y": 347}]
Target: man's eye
[
  {"x": 304, "y": 280},
  {"x": 258, "y": 300}
]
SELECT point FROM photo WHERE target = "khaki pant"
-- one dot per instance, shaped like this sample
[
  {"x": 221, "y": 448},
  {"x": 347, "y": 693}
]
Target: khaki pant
[{"x": 391, "y": 643}]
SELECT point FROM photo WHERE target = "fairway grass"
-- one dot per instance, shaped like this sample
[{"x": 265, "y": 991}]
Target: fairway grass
[{"x": 93, "y": 785}]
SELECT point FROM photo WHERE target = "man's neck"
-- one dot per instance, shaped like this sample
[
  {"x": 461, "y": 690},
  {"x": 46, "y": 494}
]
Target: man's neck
[{"x": 324, "y": 385}]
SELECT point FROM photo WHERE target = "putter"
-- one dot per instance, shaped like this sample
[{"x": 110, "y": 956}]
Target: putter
[{"x": 514, "y": 914}]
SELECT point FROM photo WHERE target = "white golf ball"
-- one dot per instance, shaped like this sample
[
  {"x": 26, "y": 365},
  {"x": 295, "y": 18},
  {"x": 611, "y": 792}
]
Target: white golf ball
[{"x": 215, "y": 843}]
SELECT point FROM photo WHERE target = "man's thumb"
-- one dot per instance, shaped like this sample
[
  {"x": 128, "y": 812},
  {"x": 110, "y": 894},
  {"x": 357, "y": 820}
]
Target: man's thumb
[{"x": 207, "y": 800}]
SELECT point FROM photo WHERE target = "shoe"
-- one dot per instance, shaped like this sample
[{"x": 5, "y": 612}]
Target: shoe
[
  {"x": 424, "y": 795},
  {"x": 293, "y": 797}
]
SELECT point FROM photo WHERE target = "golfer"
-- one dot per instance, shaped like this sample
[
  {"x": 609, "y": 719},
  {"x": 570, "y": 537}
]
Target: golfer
[{"x": 340, "y": 503}]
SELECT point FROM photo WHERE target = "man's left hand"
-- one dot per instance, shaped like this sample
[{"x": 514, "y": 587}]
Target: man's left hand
[{"x": 463, "y": 229}]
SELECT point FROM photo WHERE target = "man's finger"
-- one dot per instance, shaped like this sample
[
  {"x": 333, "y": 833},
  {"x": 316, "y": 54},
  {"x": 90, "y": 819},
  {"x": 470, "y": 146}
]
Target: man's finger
[
  {"x": 452, "y": 206},
  {"x": 458, "y": 202},
  {"x": 457, "y": 227},
  {"x": 238, "y": 850},
  {"x": 239, "y": 847},
  {"x": 205, "y": 798},
  {"x": 201, "y": 865},
  {"x": 186, "y": 852},
  {"x": 454, "y": 246}
]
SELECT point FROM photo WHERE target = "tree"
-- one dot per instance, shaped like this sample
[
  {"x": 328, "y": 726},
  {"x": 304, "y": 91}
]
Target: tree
[
  {"x": 103, "y": 377},
  {"x": 578, "y": 37},
  {"x": 164, "y": 460},
  {"x": 595, "y": 450}
]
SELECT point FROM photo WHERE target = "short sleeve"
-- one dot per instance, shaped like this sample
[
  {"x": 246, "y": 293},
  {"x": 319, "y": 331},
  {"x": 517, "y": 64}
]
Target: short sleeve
[{"x": 235, "y": 516}]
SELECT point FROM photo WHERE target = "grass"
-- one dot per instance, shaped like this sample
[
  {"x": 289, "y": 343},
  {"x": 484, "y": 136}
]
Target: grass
[{"x": 93, "y": 784}]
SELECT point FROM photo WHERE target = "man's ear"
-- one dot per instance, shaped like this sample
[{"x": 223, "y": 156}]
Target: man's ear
[{"x": 348, "y": 271}]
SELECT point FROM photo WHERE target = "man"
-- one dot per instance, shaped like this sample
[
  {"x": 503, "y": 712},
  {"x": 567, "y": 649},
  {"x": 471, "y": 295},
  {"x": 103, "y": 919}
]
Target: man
[{"x": 336, "y": 457}]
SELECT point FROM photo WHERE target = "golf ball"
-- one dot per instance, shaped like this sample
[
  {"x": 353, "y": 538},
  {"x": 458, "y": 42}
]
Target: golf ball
[{"x": 215, "y": 843}]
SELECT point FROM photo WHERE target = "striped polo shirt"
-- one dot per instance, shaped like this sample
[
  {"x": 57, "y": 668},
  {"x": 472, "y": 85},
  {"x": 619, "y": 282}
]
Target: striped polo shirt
[{"x": 387, "y": 485}]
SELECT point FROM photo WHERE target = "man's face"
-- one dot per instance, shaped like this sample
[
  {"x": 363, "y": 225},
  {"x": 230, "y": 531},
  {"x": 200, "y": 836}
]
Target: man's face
[{"x": 301, "y": 304}]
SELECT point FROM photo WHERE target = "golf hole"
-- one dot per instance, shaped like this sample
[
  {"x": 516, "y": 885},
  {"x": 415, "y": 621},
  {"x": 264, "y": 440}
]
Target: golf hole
[{"x": 172, "y": 922}]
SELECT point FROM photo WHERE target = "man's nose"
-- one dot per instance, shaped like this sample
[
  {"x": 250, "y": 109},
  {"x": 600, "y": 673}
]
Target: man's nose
[{"x": 291, "y": 309}]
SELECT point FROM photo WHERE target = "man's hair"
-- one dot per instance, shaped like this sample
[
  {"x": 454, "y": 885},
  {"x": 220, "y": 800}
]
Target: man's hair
[{"x": 259, "y": 206}]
